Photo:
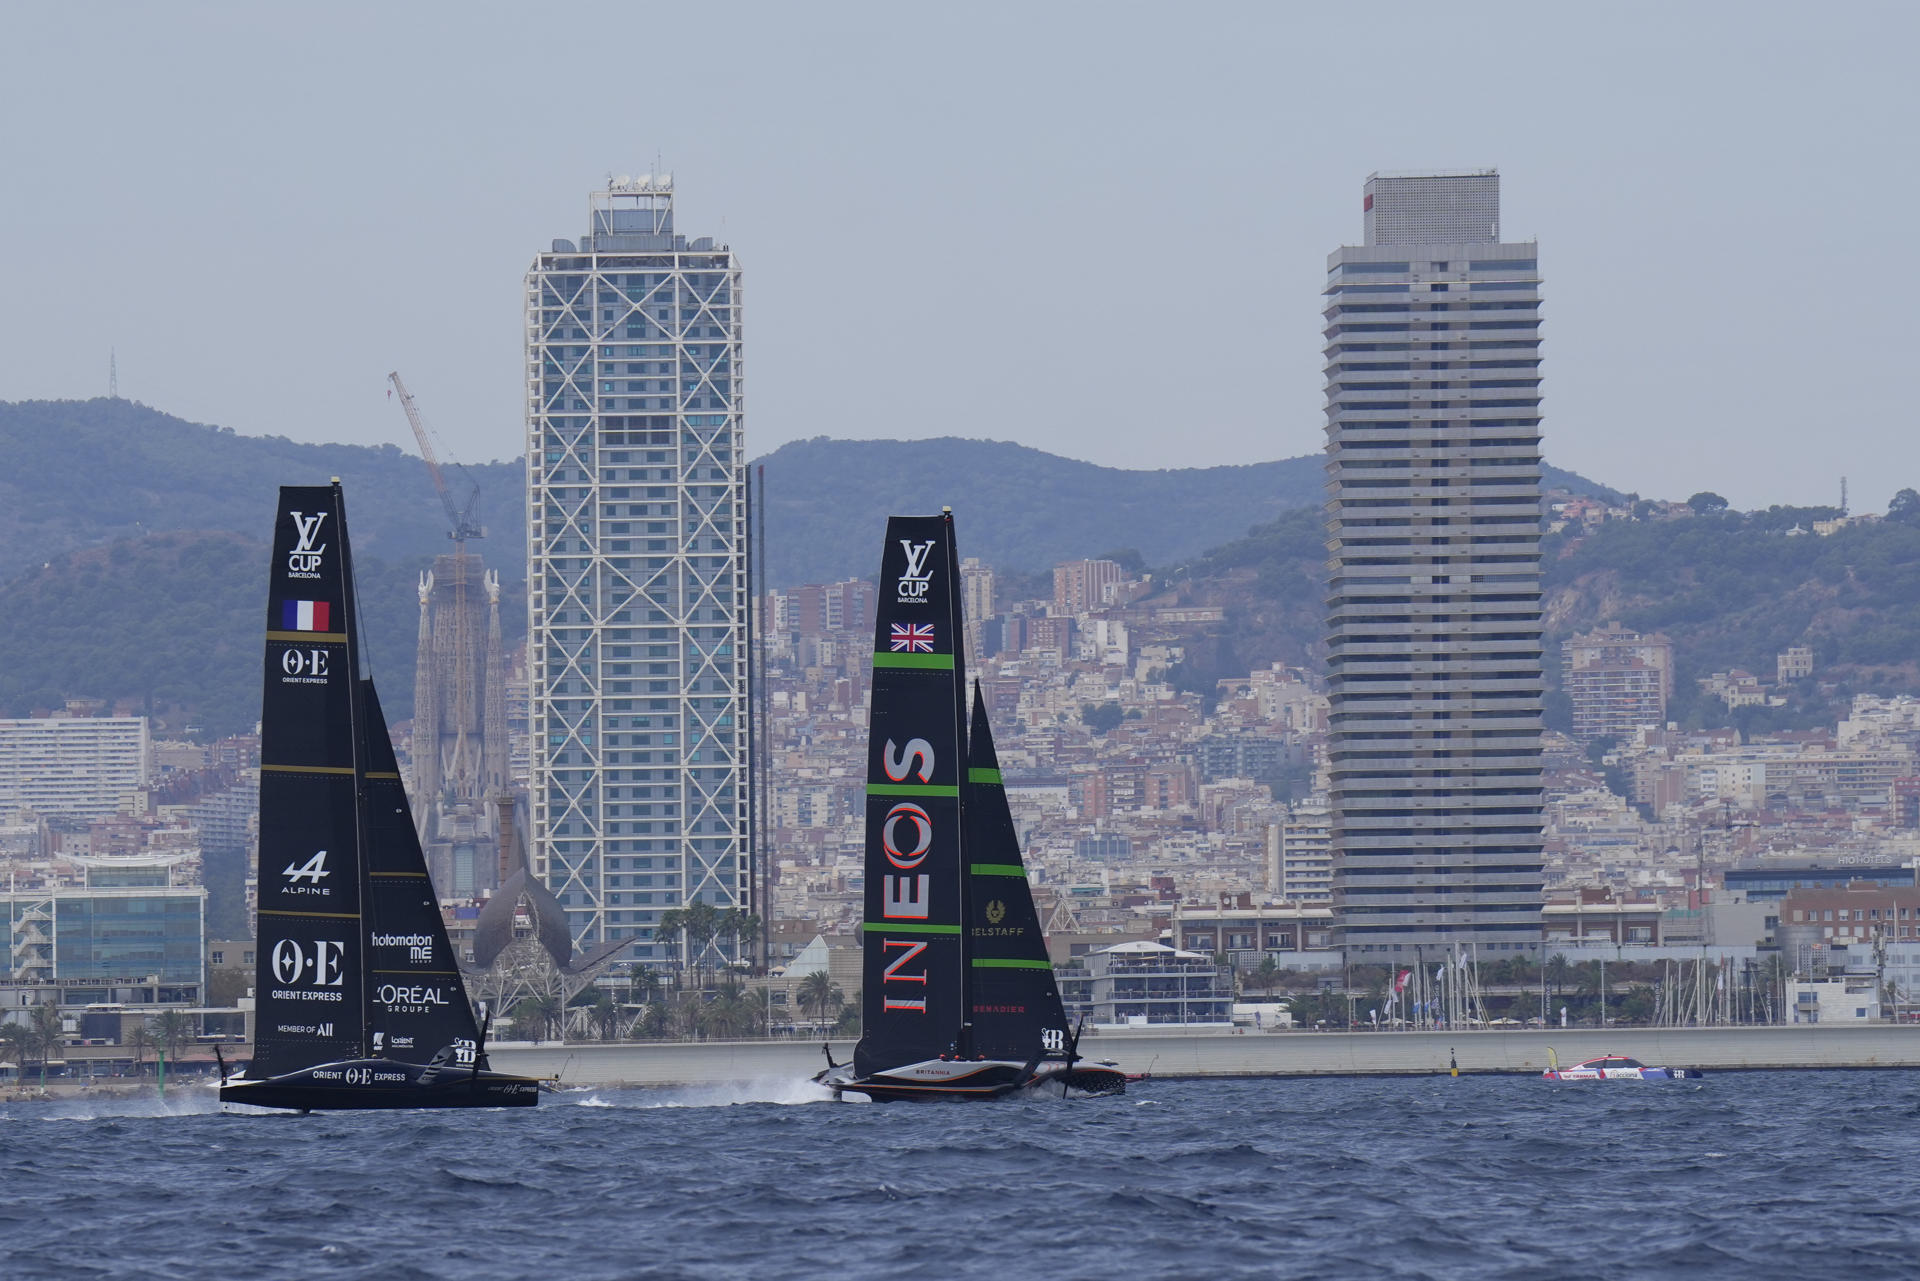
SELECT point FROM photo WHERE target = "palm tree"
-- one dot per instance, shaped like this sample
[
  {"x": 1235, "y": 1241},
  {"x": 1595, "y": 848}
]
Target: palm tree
[
  {"x": 539, "y": 1015},
  {"x": 695, "y": 927},
  {"x": 141, "y": 1042},
  {"x": 819, "y": 996},
  {"x": 653, "y": 1023},
  {"x": 16, "y": 1044},
  {"x": 605, "y": 1017},
  {"x": 1267, "y": 975},
  {"x": 737, "y": 927},
  {"x": 645, "y": 984},
  {"x": 48, "y": 1034},
  {"x": 173, "y": 1030}
]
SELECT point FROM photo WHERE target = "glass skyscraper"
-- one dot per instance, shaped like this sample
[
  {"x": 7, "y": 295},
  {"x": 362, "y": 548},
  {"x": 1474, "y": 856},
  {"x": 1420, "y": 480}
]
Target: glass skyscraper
[
  {"x": 1433, "y": 464},
  {"x": 636, "y": 523}
]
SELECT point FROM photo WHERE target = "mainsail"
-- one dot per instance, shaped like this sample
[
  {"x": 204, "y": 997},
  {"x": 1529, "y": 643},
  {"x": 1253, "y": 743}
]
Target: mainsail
[
  {"x": 353, "y": 958},
  {"x": 1016, "y": 1003},
  {"x": 310, "y": 994},
  {"x": 913, "y": 1003}
]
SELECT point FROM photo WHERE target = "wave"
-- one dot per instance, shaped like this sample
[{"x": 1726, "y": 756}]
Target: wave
[{"x": 780, "y": 1091}]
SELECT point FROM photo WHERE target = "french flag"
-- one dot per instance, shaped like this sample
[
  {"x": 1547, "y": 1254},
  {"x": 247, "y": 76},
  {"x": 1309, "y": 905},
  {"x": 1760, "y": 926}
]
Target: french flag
[{"x": 305, "y": 615}]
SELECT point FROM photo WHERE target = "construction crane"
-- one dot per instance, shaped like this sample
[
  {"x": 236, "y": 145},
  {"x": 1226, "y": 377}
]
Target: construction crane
[
  {"x": 462, "y": 765},
  {"x": 460, "y": 526}
]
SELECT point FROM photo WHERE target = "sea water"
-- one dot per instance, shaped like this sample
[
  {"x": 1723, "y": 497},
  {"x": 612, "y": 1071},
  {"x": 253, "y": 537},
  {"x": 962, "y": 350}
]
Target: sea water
[{"x": 1740, "y": 1175}]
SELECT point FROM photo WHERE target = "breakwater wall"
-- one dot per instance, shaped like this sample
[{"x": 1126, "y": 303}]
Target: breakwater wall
[{"x": 1222, "y": 1054}]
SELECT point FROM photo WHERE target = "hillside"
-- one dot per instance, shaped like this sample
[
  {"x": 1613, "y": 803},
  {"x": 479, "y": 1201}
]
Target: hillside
[
  {"x": 1019, "y": 509},
  {"x": 76, "y": 474},
  {"x": 84, "y": 473},
  {"x": 1731, "y": 590},
  {"x": 172, "y": 625},
  {"x": 132, "y": 543}
]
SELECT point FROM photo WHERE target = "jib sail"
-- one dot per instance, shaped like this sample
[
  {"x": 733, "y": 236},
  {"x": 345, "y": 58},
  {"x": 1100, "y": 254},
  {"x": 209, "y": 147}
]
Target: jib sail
[
  {"x": 1016, "y": 1003},
  {"x": 417, "y": 1005},
  {"x": 913, "y": 980}
]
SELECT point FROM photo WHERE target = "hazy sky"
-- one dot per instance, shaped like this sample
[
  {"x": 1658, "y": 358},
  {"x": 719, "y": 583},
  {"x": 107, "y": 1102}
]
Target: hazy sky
[{"x": 1097, "y": 229}]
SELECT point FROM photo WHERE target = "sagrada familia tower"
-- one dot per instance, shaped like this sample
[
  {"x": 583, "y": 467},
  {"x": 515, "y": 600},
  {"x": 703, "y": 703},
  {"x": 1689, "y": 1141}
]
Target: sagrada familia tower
[{"x": 460, "y": 725}]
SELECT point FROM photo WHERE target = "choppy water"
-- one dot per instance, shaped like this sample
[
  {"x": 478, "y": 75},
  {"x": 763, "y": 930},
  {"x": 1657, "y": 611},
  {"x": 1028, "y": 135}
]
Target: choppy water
[{"x": 1756, "y": 1175}]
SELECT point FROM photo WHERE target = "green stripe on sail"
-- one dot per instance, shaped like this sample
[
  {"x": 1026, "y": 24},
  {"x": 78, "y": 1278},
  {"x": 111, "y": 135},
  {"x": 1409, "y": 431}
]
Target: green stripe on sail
[
  {"x": 912, "y": 789},
  {"x": 1009, "y": 963},
  {"x": 977, "y": 775},
  {"x": 898, "y": 927},
  {"x": 933, "y": 662},
  {"x": 999, "y": 869}
]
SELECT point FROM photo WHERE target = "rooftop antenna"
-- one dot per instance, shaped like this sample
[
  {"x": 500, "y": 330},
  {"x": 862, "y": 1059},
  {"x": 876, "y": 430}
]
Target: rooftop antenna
[{"x": 113, "y": 374}]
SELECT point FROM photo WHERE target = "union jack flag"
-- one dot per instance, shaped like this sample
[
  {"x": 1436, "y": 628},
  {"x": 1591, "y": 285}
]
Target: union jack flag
[{"x": 913, "y": 638}]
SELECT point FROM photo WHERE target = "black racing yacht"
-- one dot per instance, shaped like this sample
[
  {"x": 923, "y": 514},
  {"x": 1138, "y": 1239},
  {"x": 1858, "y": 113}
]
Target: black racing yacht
[
  {"x": 958, "y": 997},
  {"x": 358, "y": 1001}
]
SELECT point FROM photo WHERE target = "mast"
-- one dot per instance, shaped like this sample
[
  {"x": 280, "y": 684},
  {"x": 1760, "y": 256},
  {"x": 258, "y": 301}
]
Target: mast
[
  {"x": 955, "y": 630},
  {"x": 357, "y": 731}
]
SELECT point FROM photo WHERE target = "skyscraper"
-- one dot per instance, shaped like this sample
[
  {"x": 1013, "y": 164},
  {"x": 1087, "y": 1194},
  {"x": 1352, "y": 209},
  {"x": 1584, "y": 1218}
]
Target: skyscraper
[
  {"x": 637, "y": 591},
  {"x": 1433, "y": 601}
]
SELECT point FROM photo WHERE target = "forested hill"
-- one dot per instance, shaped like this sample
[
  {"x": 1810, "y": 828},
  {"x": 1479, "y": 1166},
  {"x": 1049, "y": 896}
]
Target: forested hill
[
  {"x": 76, "y": 474},
  {"x": 1730, "y": 589},
  {"x": 133, "y": 544},
  {"x": 84, "y": 473},
  {"x": 1019, "y": 509}
]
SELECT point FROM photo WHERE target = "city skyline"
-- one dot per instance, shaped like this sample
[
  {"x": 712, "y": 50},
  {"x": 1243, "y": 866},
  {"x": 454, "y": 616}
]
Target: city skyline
[{"x": 1680, "y": 165}]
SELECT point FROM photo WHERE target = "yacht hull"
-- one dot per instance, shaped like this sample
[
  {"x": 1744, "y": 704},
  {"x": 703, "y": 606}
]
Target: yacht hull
[
  {"x": 365, "y": 1084},
  {"x": 937, "y": 1079}
]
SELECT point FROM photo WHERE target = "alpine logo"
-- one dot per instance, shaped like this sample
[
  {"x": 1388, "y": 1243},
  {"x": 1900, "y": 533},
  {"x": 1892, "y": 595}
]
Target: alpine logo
[
  {"x": 912, "y": 638},
  {"x": 313, "y": 871},
  {"x": 305, "y": 559},
  {"x": 913, "y": 584}
]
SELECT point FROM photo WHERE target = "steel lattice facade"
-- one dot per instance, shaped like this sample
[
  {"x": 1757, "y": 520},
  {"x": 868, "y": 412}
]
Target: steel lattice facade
[{"x": 637, "y": 592}]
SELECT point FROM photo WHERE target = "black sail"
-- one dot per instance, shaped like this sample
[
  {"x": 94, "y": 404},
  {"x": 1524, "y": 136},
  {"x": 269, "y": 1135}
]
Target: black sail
[
  {"x": 1016, "y": 1003},
  {"x": 417, "y": 1003},
  {"x": 913, "y": 1004},
  {"x": 310, "y": 1004}
]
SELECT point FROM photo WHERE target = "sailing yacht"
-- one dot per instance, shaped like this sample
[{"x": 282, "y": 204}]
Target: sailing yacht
[
  {"x": 958, "y": 996},
  {"x": 358, "y": 1001}
]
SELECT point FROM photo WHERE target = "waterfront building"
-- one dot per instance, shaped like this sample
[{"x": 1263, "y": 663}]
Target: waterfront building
[
  {"x": 108, "y": 942},
  {"x": 71, "y": 766},
  {"x": 1300, "y": 854},
  {"x": 1433, "y": 451},
  {"x": 1617, "y": 680},
  {"x": 637, "y": 650},
  {"x": 1295, "y": 935},
  {"x": 1151, "y": 983}
]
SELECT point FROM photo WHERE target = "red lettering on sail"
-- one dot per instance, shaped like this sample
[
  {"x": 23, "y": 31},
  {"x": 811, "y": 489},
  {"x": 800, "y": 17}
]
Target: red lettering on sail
[{"x": 892, "y": 973}]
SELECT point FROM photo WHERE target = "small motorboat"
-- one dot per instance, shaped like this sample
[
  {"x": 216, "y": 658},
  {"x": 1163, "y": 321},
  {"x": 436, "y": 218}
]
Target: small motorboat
[{"x": 1615, "y": 1067}]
